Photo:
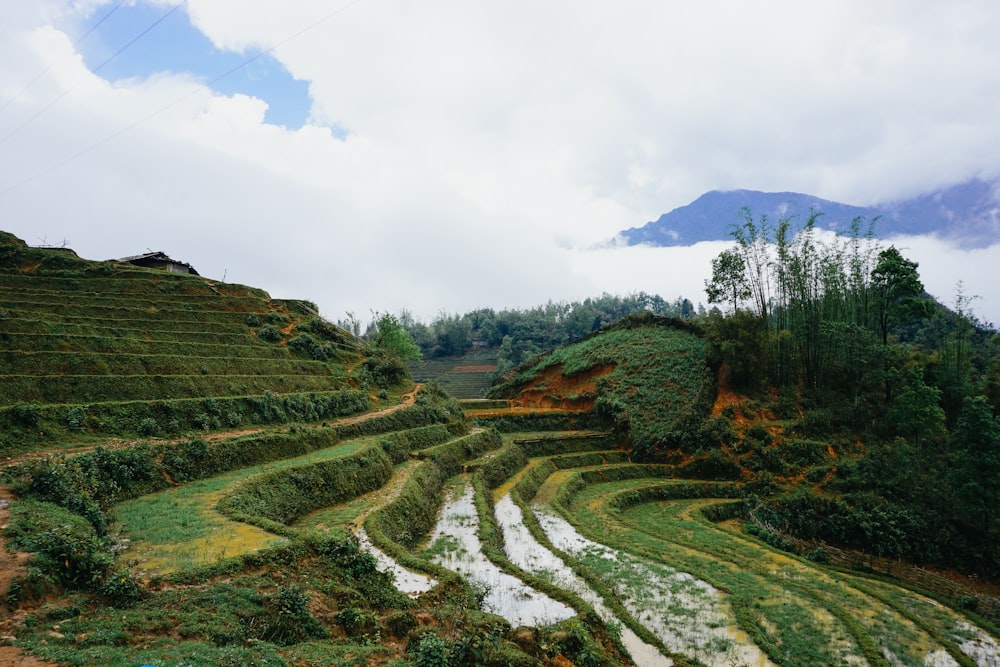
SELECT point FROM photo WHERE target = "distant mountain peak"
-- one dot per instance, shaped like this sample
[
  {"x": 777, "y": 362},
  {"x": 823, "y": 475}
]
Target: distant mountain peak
[{"x": 968, "y": 213}]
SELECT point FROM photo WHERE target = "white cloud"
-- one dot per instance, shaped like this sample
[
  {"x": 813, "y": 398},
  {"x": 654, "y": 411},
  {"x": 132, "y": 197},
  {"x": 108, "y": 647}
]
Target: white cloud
[{"x": 486, "y": 142}]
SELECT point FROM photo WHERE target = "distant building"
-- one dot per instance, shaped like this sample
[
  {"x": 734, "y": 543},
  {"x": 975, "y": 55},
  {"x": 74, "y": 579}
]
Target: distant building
[{"x": 159, "y": 260}]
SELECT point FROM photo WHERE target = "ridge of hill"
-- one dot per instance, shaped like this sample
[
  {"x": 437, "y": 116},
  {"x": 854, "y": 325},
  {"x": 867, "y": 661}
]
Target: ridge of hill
[{"x": 968, "y": 213}]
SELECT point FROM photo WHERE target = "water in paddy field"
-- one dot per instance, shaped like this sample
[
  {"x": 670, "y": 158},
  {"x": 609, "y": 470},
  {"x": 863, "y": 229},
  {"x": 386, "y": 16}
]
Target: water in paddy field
[
  {"x": 525, "y": 552},
  {"x": 456, "y": 542},
  {"x": 688, "y": 615},
  {"x": 979, "y": 646},
  {"x": 407, "y": 581}
]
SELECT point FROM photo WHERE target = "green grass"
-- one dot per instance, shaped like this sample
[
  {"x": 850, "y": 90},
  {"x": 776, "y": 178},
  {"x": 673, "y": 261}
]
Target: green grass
[{"x": 180, "y": 527}]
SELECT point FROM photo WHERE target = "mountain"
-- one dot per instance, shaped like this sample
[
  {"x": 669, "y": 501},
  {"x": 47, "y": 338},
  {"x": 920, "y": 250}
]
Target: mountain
[{"x": 968, "y": 213}]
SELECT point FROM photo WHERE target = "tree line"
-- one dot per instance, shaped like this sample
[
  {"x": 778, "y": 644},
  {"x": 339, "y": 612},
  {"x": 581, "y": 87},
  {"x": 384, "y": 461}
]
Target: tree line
[{"x": 516, "y": 335}]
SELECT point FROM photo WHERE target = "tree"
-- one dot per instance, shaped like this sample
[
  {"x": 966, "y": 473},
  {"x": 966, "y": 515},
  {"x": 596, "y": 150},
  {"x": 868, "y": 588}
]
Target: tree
[
  {"x": 729, "y": 282},
  {"x": 390, "y": 335},
  {"x": 916, "y": 411},
  {"x": 977, "y": 472},
  {"x": 895, "y": 285}
]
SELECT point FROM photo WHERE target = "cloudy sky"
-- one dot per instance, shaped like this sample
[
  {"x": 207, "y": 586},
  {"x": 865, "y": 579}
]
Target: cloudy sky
[{"x": 446, "y": 155}]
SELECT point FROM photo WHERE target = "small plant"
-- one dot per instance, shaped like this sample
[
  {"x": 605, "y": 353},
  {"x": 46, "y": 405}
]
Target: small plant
[
  {"x": 432, "y": 651},
  {"x": 26, "y": 414},
  {"x": 76, "y": 417},
  {"x": 148, "y": 426},
  {"x": 253, "y": 320},
  {"x": 122, "y": 589}
]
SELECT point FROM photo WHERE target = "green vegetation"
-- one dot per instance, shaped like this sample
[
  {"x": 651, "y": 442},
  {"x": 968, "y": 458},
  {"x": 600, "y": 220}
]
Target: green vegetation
[
  {"x": 195, "y": 462},
  {"x": 840, "y": 337},
  {"x": 653, "y": 385}
]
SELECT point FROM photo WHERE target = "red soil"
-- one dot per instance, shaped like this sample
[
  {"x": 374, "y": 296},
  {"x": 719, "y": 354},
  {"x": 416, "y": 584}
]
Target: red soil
[{"x": 553, "y": 389}]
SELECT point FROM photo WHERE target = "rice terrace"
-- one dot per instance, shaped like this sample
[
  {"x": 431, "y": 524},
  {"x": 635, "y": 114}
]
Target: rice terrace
[{"x": 195, "y": 473}]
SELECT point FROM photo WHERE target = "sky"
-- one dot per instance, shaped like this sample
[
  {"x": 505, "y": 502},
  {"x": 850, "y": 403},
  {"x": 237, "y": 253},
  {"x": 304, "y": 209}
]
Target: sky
[{"x": 443, "y": 156}]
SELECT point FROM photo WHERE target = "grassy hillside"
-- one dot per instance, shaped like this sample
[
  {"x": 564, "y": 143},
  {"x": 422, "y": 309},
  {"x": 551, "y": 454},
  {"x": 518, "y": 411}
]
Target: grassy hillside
[
  {"x": 646, "y": 376},
  {"x": 99, "y": 348}
]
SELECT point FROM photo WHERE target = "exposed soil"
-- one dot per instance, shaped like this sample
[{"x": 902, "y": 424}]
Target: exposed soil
[
  {"x": 474, "y": 369},
  {"x": 552, "y": 389},
  {"x": 11, "y": 565}
]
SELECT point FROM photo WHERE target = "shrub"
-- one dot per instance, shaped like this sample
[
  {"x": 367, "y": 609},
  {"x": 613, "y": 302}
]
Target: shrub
[
  {"x": 432, "y": 651},
  {"x": 253, "y": 320},
  {"x": 121, "y": 589},
  {"x": 148, "y": 426},
  {"x": 76, "y": 417},
  {"x": 289, "y": 619},
  {"x": 306, "y": 346},
  {"x": 26, "y": 414},
  {"x": 270, "y": 334}
]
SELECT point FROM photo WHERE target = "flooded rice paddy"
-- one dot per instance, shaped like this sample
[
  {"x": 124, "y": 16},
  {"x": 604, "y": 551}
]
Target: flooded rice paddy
[
  {"x": 455, "y": 544},
  {"x": 524, "y": 551},
  {"x": 686, "y": 614}
]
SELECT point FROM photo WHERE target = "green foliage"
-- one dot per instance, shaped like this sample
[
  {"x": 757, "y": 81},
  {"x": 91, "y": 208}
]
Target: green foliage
[
  {"x": 67, "y": 548},
  {"x": 502, "y": 465},
  {"x": 977, "y": 473},
  {"x": 659, "y": 386},
  {"x": 269, "y": 333},
  {"x": 286, "y": 495},
  {"x": 384, "y": 369},
  {"x": 390, "y": 336},
  {"x": 432, "y": 651},
  {"x": 289, "y": 620},
  {"x": 306, "y": 346}
]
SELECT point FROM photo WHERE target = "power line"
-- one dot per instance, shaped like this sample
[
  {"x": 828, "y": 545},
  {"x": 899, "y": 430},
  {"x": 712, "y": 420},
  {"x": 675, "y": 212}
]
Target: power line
[
  {"x": 114, "y": 55},
  {"x": 49, "y": 68},
  {"x": 111, "y": 137}
]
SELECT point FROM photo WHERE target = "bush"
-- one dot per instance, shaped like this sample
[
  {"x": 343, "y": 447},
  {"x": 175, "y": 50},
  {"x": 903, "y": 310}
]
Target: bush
[
  {"x": 432, "y": 651},
  {"x": 306, "y": 346},
  {"x": 25, "y": 414},
  {"x": 148, "y": 426},
  {"x": 270, "y": 334},
  {"x": 289, "y": 619}
]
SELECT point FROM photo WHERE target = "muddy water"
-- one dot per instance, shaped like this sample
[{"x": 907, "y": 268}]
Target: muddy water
[
  {"x": 407, "y": 581},
  {"x": 688, "y": 615},
  {"x": 525, "y": 552},
  {"x": 456, "y": 546}
]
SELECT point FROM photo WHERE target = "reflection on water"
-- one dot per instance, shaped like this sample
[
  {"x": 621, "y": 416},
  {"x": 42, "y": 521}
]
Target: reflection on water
[
  {"x": 455, "y": 545},
  {"x": 407, "y": 581},
  {"x": 525, "y": 552}
]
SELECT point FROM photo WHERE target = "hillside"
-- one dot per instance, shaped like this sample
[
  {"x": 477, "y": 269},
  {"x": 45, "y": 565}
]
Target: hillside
[
  {"x": 100, "y": 348},
  {"x": 190, "y": 490}
]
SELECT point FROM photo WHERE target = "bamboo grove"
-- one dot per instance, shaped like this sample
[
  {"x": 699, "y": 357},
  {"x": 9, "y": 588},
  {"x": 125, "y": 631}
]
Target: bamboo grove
[{"x": 838, "y": 333}]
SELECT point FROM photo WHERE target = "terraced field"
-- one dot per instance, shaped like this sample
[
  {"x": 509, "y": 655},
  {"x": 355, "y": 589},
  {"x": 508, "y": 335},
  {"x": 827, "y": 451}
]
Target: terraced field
[
  {"x": 567, "y": 536},
  {"x": 273, "y": 529},
  {"x": 101, "y": 348}
]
